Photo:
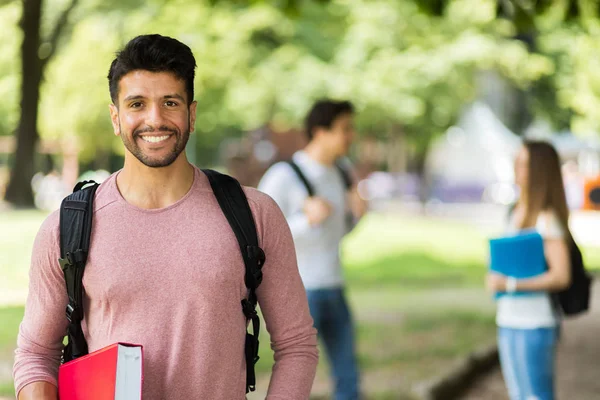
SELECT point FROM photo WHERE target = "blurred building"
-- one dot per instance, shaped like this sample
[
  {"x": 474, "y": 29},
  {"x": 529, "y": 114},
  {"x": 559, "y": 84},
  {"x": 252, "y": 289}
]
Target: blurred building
[
  {"x": 473, "y": 161},
  {"x": 247, "y": 158}
]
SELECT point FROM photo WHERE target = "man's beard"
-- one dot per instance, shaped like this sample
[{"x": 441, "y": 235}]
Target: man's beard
[{"x": 156, "y": 162}]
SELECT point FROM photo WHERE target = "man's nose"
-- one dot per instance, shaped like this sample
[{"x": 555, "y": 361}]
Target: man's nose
[{"x": 155, "y": 116}]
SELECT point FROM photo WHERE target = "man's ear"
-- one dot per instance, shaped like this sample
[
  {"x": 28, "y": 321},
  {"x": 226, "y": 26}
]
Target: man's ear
[
  {"x": 193, "y": 116},
  {"x": 114, "y": 118},
  {"x": 319, "y": 131}
]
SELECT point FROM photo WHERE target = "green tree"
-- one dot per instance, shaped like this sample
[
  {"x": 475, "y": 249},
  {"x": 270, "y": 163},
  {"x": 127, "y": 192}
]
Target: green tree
[
  {"x": 9, "y": 68},
  {"x": 36, "y": 51},
  {"x": 409, "y": 66},
  {"x": 43, "y": 31},
  {"x": 561, "y": 31}
]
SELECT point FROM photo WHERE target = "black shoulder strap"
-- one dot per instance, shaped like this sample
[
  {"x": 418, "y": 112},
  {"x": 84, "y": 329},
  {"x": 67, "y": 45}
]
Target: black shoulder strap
[
  {"x": 309, "y": 188},
  {"x": 234, "y": 204},
  {"x": 76, "y": 212},
  {"x": 348, "y": 185},
  {"x": 345, "y": 175}
]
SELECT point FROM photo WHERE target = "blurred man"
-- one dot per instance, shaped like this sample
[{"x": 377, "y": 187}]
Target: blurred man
[
  {"x": 164, "y": 267},
  {"x": 315, "y": 196}
]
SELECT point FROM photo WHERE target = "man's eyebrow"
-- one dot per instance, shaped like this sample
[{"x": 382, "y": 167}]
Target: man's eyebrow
[
  {"x": 173, "y": 96},
  {"x": 165, "y": 97},
  {"x": 133, "y": 97}
]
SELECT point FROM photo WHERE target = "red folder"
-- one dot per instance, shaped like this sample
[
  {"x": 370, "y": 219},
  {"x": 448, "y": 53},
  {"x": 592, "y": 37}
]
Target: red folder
[{"x": 112, "y": 373}]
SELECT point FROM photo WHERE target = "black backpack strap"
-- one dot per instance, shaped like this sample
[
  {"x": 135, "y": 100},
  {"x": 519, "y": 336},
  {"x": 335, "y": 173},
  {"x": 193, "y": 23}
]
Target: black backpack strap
[
  {"x": 234, "y": 204},
  {"x": 311, "y": 191},
  {"x": 76, "y": 212},
  {"x": 309, "y": 188},
  {"x": 345, "y": 176},
  {"x": 348, "y": 185}
]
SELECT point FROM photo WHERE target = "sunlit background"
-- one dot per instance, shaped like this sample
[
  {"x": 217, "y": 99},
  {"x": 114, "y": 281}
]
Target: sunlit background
[{"x": 444, "y": 92}]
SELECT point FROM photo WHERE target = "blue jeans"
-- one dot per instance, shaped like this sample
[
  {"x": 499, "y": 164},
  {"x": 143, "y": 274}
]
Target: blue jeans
[
  {"x": 333, "y": 321},
  {"x": 527, "y": 360}
]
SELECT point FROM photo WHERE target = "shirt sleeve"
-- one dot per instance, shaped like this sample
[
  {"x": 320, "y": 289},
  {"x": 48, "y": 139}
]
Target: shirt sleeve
[
  {"x": 39, "y": 342},
  {"x": 549, "y": 226},
  {"x": 277, "y": 182},
  {"x": 351, "y": 219},
  {"x": 282, "y": 300}
]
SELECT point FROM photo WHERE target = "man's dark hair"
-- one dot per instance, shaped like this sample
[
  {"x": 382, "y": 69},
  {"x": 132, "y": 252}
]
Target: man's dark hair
[
  {"x": 153, "y": 53},
  {"x": 323, "y": 113}
]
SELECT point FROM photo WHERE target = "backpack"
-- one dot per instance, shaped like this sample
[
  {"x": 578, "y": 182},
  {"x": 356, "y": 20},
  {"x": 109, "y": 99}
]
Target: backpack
[
  {"x": 309, "y": 187},
  {"x": 76, "y": 212},
  {"x": 311, "y": 190},
  {"x": 576, "y": 298}
]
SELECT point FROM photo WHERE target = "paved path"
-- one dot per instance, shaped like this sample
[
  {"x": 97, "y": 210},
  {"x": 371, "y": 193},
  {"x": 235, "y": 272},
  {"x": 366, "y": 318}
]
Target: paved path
[{"x": 578, "y": 367}]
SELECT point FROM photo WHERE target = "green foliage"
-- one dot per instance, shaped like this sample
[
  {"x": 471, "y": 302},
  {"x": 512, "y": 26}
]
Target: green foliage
[
  {"x": 10, "y": 35},
  {"x": 407, "y": 64}
]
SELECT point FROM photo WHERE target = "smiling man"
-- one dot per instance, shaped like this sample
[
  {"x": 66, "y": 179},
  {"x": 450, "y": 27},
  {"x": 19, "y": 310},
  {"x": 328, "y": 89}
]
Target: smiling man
[{"x": 164, "y": 268}]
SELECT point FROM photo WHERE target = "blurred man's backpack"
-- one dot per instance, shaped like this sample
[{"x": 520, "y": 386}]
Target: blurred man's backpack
[
  {"x": 310, "y": 190},
  {"x": 76, "y": 213},
  {"x": 575, "y": 299},
  {"x": 309, "y": 187}
]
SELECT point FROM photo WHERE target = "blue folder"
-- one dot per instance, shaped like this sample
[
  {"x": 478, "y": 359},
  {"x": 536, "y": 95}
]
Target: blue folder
[{"x": 520, "y": 256}]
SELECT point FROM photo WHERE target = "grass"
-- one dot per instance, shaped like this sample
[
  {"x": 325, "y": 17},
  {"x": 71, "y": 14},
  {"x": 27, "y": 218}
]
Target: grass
[
  {"x": 10, "y": 318},
  {"x": 7, "y": 389},
  {"x": 17, "y": 233},
  {"x": 415, "y": 288}
]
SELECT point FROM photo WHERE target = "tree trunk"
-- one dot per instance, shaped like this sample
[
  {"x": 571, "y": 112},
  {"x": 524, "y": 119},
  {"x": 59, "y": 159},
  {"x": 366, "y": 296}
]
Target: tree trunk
[
  {"x": 421, "y": 170},
  {"x": 19, "y": 191},
  {"x": 397, "y": 158}
]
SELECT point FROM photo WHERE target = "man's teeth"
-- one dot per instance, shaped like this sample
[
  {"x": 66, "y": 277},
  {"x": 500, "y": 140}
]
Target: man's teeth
[{"x": 155, "y": 139}]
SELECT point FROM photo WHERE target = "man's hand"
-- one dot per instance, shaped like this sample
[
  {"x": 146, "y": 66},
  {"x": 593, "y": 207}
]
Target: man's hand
[
  {"x": 39, "y": 391},
  {"x": 317, "y": 210}
]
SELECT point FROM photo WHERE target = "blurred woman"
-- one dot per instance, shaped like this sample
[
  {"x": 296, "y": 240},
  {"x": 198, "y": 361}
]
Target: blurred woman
[{"x": 528, "y": 325}]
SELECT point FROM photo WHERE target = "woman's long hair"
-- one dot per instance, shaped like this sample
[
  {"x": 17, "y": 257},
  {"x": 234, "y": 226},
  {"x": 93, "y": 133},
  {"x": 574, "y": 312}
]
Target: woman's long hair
[{"x": 545, "y": 189}]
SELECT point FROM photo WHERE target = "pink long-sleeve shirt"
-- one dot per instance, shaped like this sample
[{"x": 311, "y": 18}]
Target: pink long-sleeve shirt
[{"x": 172, "y": 280}]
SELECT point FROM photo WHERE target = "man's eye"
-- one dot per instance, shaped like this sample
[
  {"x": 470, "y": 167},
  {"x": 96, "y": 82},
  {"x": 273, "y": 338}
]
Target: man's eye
[
  {"x": 171, "y": 103},
  {"x": 137, "y": 104}
]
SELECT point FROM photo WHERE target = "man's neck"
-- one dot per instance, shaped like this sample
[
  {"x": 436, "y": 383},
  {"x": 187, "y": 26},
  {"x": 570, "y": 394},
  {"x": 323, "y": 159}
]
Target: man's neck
[
  {"x": 152, "y": 188},
  {"x": 320, "y": 155}
]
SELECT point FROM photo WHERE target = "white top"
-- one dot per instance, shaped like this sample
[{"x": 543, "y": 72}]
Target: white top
[
  {"x": 532, "y": 311},
  {"x": 317, "y": 247}
]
